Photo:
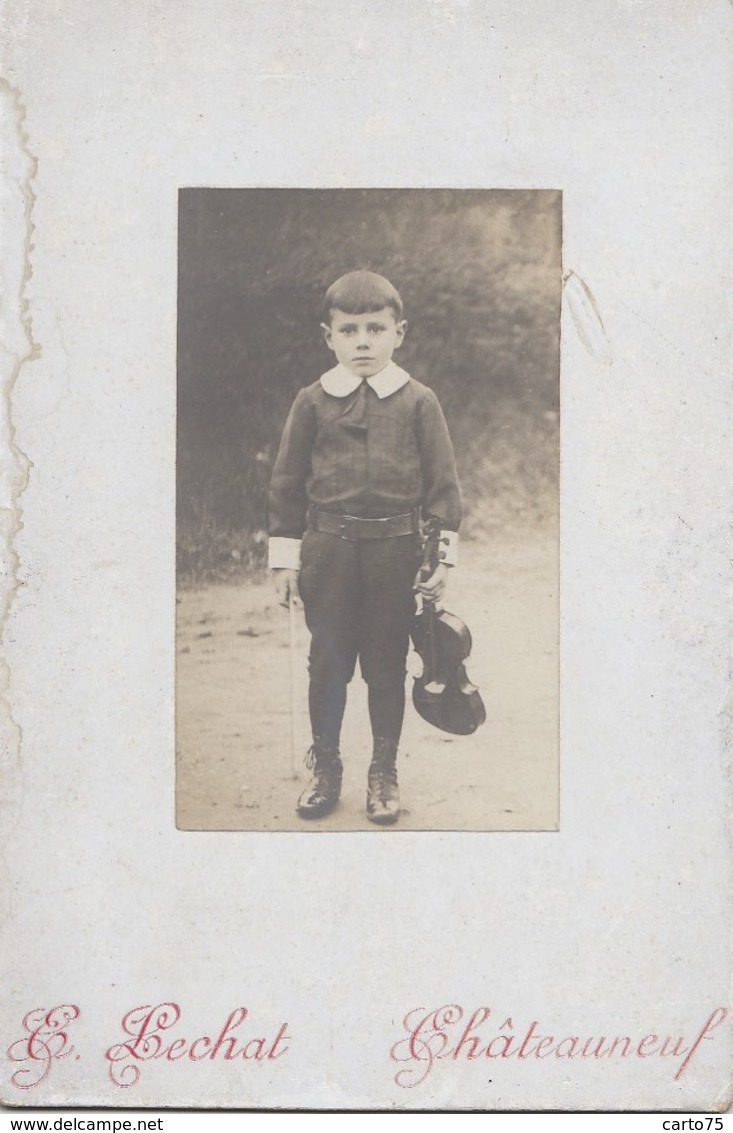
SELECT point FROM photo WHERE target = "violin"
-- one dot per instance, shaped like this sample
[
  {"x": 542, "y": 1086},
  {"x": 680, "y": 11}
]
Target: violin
[{"x": 443, "y": 695}]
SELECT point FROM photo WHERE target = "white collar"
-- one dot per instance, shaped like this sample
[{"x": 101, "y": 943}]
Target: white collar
[{"x": 340, "y": 382}]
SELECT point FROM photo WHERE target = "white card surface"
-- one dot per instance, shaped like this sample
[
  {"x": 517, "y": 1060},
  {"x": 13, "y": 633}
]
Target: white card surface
[{"x": 576, "y": 958}]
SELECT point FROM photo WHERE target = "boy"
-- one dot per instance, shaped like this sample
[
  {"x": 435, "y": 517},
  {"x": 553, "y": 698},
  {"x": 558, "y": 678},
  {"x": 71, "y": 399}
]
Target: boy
[{"x": 365, "y": 455}]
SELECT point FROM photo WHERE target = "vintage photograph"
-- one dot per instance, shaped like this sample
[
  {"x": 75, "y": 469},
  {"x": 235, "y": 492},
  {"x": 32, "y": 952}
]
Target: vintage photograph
[
  {"x": 367, "y": 722},
  {"x": 367, "y": 509}
]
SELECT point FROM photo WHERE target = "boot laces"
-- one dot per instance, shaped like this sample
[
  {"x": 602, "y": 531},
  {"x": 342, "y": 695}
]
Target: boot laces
[
  {"x": 321, "y": 762},
  {"x": 384, "y": 782}
]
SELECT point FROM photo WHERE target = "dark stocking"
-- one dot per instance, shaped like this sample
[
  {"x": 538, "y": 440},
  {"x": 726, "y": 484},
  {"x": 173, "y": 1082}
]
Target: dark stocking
[
  {"x": 327, "y": 704},
  {"x": 386, "y": 711}
]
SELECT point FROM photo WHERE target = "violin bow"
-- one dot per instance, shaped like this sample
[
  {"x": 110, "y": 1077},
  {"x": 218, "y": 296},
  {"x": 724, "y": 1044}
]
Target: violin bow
[{"x": 293, "y": 694}]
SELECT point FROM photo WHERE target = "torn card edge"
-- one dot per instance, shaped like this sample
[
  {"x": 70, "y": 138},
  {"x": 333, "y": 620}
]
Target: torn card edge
[{"x": 18, "y": 168}]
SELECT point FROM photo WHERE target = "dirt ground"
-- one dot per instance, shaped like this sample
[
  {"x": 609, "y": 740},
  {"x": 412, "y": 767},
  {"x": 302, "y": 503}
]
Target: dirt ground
[{"x": 240, "y": 745}]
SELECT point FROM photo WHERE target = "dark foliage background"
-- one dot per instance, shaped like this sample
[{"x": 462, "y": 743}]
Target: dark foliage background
[{"x": 479, "y": 272}]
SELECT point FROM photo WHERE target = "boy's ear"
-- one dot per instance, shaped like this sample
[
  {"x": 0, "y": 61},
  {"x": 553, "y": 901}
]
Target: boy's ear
[
  {"x": 401, "y": 329},
  {"x": 327, "y": 335}
]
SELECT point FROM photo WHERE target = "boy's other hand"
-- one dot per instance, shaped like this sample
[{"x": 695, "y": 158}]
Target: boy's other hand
[
  {"x": 286, "y": 586},
  {"x": 433, "y": 588}
]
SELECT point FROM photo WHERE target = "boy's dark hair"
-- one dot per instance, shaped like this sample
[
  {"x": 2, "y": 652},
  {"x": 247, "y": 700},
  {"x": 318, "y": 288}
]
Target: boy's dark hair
[{"x": 359, "y": 292}]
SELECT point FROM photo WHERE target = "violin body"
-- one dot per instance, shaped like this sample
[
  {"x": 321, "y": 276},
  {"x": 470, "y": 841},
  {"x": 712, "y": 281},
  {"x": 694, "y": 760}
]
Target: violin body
[{"x": 443, "y": 695}]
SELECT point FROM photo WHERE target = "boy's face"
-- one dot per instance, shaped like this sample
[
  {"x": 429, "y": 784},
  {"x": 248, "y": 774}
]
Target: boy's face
[{"x": 364, "y": 343}]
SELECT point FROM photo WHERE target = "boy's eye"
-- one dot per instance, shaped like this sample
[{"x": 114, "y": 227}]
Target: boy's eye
[{"x": 352, "y": 328}]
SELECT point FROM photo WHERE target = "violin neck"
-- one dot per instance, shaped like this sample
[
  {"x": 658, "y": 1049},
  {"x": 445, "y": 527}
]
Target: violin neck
[{"x": 430, "y": 551}]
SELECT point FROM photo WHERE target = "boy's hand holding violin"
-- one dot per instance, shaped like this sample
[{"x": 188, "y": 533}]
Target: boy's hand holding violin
[{"x": 433, "y": 588}]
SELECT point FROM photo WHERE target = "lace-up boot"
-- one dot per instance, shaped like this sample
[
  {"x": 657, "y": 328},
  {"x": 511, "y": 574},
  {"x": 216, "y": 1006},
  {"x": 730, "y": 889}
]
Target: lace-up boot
[
  {"x": 383, "y": 797},
  {"x": 324, "y": 788}
]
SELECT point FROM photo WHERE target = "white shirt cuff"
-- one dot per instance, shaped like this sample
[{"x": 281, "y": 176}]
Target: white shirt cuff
[
  {"x": 283, "y": 554},
  {"x": 448, "y": 548}
]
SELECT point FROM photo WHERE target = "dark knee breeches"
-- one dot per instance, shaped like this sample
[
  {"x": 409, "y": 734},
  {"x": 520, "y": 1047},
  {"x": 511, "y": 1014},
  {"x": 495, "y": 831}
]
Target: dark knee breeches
[{"x": 359, "y": 603}]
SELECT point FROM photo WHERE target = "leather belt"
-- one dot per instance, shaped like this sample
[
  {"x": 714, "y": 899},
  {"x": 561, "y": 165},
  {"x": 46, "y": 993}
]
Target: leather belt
[{"x": 354, "y": 527}]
